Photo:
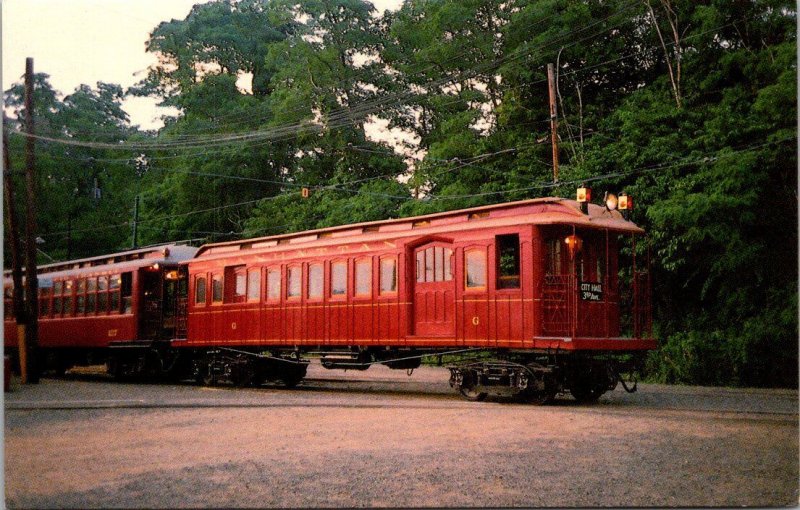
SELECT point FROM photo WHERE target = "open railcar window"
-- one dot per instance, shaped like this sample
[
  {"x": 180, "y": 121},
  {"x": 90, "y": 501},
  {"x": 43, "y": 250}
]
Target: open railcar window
[{"x": 507, "y": 261}]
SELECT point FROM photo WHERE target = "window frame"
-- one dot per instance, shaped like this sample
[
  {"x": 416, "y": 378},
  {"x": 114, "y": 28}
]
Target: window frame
[
  {"x": 498, "y": 276},
  {"x": 319, "y": 279},
  {"x": 367, "y": 262},
  {"x": 196, "y": 287},
  {"x": 217, "y": 277},
  {"x": 483, "y": 251},
  {"x": 250, "y": 285},
  {"x": 342, "y": 295},
  {"x": 289, "y": 271},
  {"x": 268, "y": 297},
  {"x": 395, "y": 260}
]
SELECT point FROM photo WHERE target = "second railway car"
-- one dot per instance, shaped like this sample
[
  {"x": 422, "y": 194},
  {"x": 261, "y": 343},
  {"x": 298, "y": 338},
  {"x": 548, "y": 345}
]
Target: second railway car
[
  {"x": 110, "y": 309},
  {"x": 535, "y": 284}
]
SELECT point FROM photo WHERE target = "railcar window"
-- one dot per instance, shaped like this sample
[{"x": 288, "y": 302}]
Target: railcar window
[
  {"x": 127, "y": 292},
  {"x": 429, "y": 263},
  {"x": 339, "y": 278},
  {"x": 114, "y": 301},
  {"x": 200, "y": 290},
  {"x": 254, "y": 285},
  {"x": 448, "y": 270},
  {"x": 315, "y": 281},
  {"x": 44, "y": 302},
  {"x": 91, "y": 284},
  {"x": 80, "y": 298},
  {"x": 241, "y": 285},
  {"x": 434, "y": 265},
  {"x": 388, "y": 275},
  {"x": 102, "y": 294},
  {"x": 273, "y": 284},
  {"x": 114, "y": 283},
  {"x": 553, "y": 257},
  {"x": 68, "y": 286},
  {"x": 507, "y": 261},
  {"x": 364, "y": 277},
  {"x": 475, "y": 262},
  {"x": 216, "y": 288},
  {"x": 294, "y": 281}
]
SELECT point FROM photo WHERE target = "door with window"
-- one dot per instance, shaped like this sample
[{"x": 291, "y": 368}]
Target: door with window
[{"x": 434, "y": 290}]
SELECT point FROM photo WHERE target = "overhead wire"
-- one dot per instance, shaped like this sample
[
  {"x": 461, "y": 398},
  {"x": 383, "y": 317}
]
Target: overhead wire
[{"x": 339, "y": 118}]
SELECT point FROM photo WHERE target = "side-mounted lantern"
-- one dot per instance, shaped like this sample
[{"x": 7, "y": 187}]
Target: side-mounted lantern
[
  {"x": 574, "y": 245},
  {"x": 625, "y": 205},
  {"x": 305, "y": 192},
  {"x": 583, "y": 197}
]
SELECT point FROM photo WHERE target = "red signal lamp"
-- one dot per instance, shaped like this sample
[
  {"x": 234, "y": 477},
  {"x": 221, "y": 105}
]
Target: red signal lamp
[
  {"x": 583, "y": 197},
  {"x": 584, "y": 194},
  {"x": 625, "y": 202}
]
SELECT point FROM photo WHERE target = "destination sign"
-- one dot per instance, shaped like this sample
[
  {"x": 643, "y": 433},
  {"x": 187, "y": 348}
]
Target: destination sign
[{"x": 591, "y": 291}]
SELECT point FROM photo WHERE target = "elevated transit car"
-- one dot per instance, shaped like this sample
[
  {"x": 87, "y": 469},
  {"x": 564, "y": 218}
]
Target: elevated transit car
[
  {"x": 109, "y": 309},
  {"x": 535, "y": 284}
]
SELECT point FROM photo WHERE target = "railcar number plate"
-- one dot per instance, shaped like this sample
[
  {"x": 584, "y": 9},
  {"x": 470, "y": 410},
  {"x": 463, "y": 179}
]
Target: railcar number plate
[{"x": 591, "y": 291}]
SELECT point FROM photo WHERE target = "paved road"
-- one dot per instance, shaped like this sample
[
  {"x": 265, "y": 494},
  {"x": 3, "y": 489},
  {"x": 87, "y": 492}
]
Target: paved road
[{"x": 381, "y": 438}]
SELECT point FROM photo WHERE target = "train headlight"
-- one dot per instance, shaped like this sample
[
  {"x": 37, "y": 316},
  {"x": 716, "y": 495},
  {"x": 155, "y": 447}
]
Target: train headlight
[
  {"x": 574, "y": 244},
  {"x": 611, "y": 201}
]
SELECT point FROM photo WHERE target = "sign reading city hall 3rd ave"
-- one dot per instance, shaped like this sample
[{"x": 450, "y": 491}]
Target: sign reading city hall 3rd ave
[{"x": 591, "y": 291}]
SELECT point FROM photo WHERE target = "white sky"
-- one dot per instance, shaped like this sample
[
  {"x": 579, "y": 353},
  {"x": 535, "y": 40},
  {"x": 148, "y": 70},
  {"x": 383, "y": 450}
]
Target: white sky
[{"x": 86, "y": 41}]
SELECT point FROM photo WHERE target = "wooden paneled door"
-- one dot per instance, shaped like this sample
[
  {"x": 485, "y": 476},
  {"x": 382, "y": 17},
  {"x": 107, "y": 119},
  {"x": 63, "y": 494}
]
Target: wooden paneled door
[{"x": 434, "y": 290}]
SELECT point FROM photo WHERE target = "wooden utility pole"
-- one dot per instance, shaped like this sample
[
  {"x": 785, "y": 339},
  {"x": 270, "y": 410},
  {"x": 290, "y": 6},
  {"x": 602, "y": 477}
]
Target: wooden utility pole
[
  {"x": 31, "y": 279},
  {"x": 553, "y": 118},
  {"x": 12, "y": 228}
]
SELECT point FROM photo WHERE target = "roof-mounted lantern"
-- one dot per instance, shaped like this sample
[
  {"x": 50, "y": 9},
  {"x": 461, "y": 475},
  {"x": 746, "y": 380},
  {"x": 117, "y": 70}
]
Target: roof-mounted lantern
[{"x": 583, "y": 197}]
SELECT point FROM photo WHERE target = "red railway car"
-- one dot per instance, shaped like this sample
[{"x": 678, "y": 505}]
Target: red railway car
[
  {"x": 539, "y": 285},
  {"x": 113, "y": 308}
]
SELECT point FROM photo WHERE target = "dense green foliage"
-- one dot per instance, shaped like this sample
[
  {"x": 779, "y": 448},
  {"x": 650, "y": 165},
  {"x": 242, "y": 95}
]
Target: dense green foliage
[{"x": 688, "y": 106}]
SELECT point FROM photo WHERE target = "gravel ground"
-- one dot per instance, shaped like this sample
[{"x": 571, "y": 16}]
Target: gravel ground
[{"x": 382, "y": 439}]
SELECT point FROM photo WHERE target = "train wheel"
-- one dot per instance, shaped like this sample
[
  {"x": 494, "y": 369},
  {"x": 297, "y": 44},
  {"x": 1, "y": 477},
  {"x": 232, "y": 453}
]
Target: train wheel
[
  {"x": 540, "y": 396},
  {"x": 586, "y": 393},
  {"x": 293, "y": 376},
  {"x": 472, "y": 394}
]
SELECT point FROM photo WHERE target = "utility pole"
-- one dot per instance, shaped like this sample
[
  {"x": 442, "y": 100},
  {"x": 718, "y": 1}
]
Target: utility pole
[
  {"x": 553, "y": 118},
  {"x": 135, "y": 221},
  {"x": 16, "y": 256},
  {"x": 31, "y": 279}
]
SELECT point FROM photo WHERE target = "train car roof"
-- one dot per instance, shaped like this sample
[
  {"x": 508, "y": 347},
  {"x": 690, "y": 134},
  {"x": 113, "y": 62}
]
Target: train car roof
[
  {"x": 540, "y": 211},
  {"x": 120, "y": 261}
]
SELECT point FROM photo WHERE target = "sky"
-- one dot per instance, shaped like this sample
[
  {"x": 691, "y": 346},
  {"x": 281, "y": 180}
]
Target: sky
[{"x": 86, "y": 41}]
